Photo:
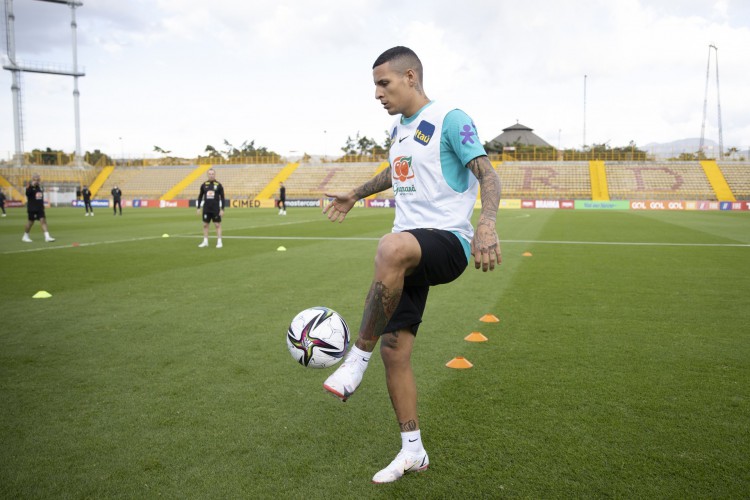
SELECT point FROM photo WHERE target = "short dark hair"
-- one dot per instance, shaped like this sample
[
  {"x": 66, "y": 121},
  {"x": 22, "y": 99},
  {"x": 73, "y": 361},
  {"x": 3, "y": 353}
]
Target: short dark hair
[{"x": 403, "y": 57}]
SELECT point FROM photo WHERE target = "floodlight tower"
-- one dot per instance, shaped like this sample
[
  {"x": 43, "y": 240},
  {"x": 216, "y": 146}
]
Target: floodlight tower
[
  {"x": 16, "y": 68},
  {"x": 718, "y": 101}
]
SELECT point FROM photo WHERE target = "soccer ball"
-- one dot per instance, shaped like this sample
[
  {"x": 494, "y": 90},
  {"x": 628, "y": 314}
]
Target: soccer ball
[{"x": 318, "y": 337}]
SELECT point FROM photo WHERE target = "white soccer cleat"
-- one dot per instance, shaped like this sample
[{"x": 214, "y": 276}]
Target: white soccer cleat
[
  {"x": 219, "y": 245},
  {"x": 344, "y": 381},
  {"x": 203, "y": 245},
  {"x": 26, "y": 239},
  {"x": 403, "y": 463},
  {"x": 49, "y": 239}
]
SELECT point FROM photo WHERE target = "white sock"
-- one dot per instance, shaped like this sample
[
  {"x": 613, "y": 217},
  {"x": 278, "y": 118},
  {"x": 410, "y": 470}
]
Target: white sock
[
  {"x": 46, "y": 234},
  {"x": 218, "y": 241},
  {"x": 412, "y": 441},
  {"x": 362, "y": 357},
  {"x": 205, "y": 240}
]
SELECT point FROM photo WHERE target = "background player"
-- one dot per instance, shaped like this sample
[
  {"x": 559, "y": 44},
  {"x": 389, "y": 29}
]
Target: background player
[
  {"x": 116, "y": 199},
  {"x": 35, "y": 209},
  {"x": 87, "y": 201},
  {"x": 211, "y": 198},
  {"x": 282, "y": 199}
]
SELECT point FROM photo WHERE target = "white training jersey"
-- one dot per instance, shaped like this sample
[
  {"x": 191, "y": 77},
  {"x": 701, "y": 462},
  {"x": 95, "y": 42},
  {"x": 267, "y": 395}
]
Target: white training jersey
[{"x": 431, "y": 184}]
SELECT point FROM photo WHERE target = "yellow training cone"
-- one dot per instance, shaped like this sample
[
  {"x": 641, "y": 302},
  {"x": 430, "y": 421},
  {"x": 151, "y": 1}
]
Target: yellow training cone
[
  {"x": 281, "y": 249},
  {"x": 476, "y": 337},
  {"x": 165, "y": 235},
  {"x": 42, "y": 295},
  {"x": 526, "y": 254},
  {"x": 459, "y": 362},
  {"x": 489, "y": 318}
]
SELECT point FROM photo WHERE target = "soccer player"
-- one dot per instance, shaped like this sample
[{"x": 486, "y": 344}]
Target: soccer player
[
  {"x": 282, "y": 199},
  {"x": 2, "y": 202},
  {"x": 437, "y": 163},
  {"x": 211, "y": 198},
  {"x": 35, "y": 209},
  {"x": 116, "y": 199},
  {"x": 87, "y": 201}
]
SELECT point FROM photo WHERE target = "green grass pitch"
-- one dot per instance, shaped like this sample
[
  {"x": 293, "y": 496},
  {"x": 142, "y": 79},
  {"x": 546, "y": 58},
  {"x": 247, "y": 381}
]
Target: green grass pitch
[{"x": 620, "y": 366}]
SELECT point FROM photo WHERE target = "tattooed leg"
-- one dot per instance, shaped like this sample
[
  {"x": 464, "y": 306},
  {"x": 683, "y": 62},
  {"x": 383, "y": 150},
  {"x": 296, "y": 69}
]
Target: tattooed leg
[
  {"x": 397, "y": 255},
  {"x": 379, "y": 306},
  {"x": 402, "y": 388}
]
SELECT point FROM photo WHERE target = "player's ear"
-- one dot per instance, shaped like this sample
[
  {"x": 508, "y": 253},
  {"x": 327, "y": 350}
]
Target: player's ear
[{"x": 411, "y": 77}]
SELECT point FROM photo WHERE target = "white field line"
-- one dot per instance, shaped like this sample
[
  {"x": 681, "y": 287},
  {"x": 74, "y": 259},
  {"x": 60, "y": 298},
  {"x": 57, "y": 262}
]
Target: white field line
[{"x": 352, "y": 238}]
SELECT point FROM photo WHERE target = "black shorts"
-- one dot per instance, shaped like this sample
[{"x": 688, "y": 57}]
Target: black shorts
[
  {"x": 36, "y": 214},
  {"x": 211, "y": 217},
  {"x": 443, "y": 260}
]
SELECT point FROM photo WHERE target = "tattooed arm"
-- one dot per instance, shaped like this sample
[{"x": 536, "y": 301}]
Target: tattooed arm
[
  {"x": 485, "y": 247},
  {"x": 343, "y": 202}
]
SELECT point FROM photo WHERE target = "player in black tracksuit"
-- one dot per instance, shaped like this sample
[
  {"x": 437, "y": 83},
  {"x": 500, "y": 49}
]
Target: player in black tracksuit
[
  {"x": 87, "y": 200},
  {"x": 282, "y": 199},
  {"x": 2, "y": 202},
  {"x": 35, "y": 209},
  {"x": 116, "y": 199},
  {"x": 211, "y": 198}
]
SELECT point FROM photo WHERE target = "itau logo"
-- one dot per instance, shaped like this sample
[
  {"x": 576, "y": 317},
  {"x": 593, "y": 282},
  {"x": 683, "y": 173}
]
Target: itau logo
[{"x": 402, "y": 168}]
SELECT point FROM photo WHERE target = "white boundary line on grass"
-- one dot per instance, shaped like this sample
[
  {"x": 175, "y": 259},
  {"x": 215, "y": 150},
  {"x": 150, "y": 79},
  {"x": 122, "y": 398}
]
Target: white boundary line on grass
[
  {"x": 352, "y": 238},
  {"x": 551, "y": 242}
]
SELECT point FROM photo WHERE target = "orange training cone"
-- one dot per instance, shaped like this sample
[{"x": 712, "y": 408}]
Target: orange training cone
[
  {"x": 526, "y": 254},
  {"x": 459, "y": 362},
  {"x": 476, "y": 337},
  {"x": 489, "y": 318}
]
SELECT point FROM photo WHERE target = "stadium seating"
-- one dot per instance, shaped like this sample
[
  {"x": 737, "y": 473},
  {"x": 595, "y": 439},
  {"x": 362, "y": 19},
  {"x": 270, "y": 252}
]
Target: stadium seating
[
  {"x": 738, "y": 178},
  {"x": 545, "y": 180},
  {"x": 145, "y": 182},
  {"x": 658, "y": 181},
  {"x": 520, "y": 180},
  {"x": 68, "y": 178},
  {"x": 241, "y": 182},
  {"x": 312, "y": 181}
]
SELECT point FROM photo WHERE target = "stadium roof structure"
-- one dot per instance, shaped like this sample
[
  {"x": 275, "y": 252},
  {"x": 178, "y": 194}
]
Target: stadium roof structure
[{"x": 516, "y": 134}]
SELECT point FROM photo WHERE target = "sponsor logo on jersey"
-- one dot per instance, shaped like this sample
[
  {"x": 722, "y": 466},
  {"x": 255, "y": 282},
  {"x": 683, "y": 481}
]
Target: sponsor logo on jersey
[
  {"x": 468, "y": 133},
  {"x": 424, "y": 132},
  {"x": 402, "y": 168}
]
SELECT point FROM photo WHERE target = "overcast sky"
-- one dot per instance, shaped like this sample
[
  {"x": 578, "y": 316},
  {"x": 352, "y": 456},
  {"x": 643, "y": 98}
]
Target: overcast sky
[{"x": 295, "y": 75}]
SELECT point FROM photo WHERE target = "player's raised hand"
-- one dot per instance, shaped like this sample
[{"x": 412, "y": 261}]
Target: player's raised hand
[
  {"x": 485, "y": 246},
  {"x": 340, "y": 205}
]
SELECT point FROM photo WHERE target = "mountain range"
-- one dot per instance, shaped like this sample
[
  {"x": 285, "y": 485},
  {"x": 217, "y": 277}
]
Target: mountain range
[{"x": 675, "y": 148}]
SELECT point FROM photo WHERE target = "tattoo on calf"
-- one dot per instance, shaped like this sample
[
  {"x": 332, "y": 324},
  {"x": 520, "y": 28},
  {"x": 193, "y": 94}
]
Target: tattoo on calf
[
  {"x": 409, "y": 426},
  {"x": 380, "y": 304}
]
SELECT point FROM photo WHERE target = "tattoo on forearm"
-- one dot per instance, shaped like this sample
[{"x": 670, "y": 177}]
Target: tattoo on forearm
[
  {"x": 380, "y": 304},
  {"x": 409, "y": 426},
  {"x": 489, "y": 183},
  {"x": 379, "y": 183}
]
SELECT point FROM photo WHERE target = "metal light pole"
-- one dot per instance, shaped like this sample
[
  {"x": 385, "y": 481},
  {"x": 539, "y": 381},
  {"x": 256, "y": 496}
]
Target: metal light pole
[{"x": 584, "y": 111}]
